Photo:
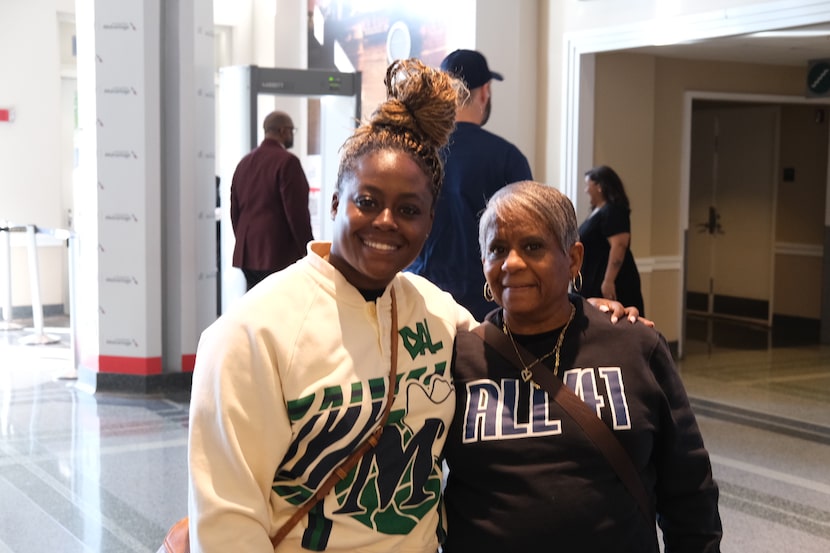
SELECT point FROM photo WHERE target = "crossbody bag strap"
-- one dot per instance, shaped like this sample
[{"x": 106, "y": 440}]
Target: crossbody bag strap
[
  {"x": 346, "y": 466},
  {"x": 591, "y": 424}
]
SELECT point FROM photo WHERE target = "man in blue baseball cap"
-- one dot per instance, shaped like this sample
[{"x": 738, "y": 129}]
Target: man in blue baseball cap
[
  {"x": 477, "y": 164},
  {"x": 471, "y": 67}
]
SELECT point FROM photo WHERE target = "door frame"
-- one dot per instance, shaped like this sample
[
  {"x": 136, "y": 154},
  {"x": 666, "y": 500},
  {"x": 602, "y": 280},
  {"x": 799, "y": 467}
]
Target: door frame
[
  {"x": 685, "y": 184},
  {"x": 773, "y": 209}
]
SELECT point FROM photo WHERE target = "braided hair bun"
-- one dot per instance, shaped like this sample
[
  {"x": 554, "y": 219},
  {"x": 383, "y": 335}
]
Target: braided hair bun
[{"x": 416, "y": 118}]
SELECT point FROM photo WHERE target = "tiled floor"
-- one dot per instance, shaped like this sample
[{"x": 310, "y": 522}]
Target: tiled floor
[
  {"x": 763, "y": 403},
  {"x": 80, "y": 472},
  {"x": 106, "y": 472}
]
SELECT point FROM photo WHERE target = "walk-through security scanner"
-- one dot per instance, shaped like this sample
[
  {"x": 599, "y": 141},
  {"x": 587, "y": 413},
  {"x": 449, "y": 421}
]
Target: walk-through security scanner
[{"x": 325, "y": 108}]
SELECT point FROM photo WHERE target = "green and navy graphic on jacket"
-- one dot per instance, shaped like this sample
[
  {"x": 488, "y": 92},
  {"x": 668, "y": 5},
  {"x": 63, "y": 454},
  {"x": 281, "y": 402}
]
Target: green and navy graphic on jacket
[{"x": 398, "y": 482}]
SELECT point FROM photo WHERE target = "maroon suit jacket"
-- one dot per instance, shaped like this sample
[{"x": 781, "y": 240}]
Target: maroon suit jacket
[{"x": 269, "y": 209}]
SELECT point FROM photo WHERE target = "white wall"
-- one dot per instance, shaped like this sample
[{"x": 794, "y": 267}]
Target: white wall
[
  {"x": 31, "y": 189},
  {"x": 507, "y": 35},
  {"x": 29, "y": 164}
]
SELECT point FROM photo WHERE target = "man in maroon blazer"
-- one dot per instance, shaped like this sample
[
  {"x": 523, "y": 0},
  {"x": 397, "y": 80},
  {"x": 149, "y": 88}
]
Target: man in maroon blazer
[{"x": 269, "y": 204}]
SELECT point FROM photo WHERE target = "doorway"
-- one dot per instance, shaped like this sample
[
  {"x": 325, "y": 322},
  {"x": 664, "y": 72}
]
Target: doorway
[
  {"x": 730, "y": 261},
  {"x": 757, "y": 183}
]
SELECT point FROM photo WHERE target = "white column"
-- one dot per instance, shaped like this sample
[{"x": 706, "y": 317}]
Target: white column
[
  {"x": 190, "y": 279},
  {"x": 118, "y": 193}
]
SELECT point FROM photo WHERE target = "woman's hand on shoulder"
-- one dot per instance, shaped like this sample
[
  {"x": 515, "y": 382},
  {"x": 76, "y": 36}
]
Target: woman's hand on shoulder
[{"x": 618, "y": 310}]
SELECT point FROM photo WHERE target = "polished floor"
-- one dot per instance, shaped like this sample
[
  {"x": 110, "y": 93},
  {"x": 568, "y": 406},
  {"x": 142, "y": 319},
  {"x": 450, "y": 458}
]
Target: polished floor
[{"x": 106, "y": 472}]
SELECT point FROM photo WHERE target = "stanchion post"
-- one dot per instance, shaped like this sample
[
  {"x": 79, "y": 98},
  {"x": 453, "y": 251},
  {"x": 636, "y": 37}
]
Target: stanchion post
[
  {"x": 39, "y": 337},
  {"x": 6, "y": 272},
  {"x": 73, "y": 310}
]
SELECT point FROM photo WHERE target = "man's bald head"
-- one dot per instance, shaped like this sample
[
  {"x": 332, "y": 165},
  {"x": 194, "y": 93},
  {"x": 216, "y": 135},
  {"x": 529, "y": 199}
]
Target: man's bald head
[{"x": 279, "y": 126}]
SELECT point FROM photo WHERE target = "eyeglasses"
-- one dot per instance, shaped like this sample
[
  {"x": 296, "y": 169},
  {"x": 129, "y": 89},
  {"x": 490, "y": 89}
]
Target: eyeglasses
[{"x": 292, "y": 129}]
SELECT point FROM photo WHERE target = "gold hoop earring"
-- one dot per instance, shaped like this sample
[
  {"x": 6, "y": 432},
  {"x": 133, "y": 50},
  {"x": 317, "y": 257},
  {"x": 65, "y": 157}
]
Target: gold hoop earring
[
  {"x": 577, "y": 287},
  {"x": 488, "y": 293}
]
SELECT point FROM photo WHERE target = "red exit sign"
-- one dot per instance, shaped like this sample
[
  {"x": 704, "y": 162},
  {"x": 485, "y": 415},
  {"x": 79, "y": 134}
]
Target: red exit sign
[{"x": 6, "y": 115}]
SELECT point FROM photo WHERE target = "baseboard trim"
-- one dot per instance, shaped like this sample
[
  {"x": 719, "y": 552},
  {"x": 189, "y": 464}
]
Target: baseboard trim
[
  {"x": 94, "y": 382},
  {"x": 26, "y": 312}
]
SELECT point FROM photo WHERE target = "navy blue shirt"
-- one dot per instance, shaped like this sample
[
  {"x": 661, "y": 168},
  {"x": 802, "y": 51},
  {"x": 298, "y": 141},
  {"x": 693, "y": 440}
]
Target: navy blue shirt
[{"x": 478, "y": 163}]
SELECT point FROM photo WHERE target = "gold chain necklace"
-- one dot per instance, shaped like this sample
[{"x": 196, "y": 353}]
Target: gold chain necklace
[{"x": 527, "y": 375}]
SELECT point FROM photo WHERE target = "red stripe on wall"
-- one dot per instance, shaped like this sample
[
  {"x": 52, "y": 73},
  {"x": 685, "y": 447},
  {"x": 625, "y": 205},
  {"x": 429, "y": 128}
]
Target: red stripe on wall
[
  {"x": 129, "y": 365},
  {"x": 188, "y": 363}
]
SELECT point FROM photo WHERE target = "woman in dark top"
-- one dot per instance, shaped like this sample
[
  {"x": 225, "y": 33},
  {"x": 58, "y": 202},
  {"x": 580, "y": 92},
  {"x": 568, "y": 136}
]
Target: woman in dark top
[{"x": 609, "y": 270}]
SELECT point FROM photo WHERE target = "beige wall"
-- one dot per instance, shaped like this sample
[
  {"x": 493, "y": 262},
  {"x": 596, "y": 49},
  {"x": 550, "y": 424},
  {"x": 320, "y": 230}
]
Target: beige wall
[
  {"x": 625, "y": 137},
  {"x": 799, "y": 229},
  {"x": 674, "y": 78},
  {"x": 549, "y": 106},
  {"x": 798, "y": 284},
  {"x": 638, "y": 129},
  {"x": 800, "y": 217}
]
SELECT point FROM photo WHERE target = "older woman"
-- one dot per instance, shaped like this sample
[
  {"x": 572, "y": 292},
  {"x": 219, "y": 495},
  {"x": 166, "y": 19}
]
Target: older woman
[{"x": 526, "y": 474}]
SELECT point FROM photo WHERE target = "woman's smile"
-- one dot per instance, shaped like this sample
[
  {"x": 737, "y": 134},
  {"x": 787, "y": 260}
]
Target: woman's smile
[{"x": 383, "y": 246}]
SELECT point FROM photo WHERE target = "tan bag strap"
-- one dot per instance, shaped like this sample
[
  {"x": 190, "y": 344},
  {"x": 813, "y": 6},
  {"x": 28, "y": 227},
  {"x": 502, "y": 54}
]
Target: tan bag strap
[{"x": 343, "y": 470}]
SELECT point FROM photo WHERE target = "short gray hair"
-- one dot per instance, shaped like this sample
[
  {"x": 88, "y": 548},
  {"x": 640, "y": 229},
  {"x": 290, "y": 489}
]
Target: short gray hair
[{"x": 532, "y": 201}]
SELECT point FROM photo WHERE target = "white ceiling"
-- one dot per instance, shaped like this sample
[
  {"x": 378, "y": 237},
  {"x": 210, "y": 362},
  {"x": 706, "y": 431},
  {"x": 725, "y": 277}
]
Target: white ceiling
[{"x": 785, "y": 50}]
